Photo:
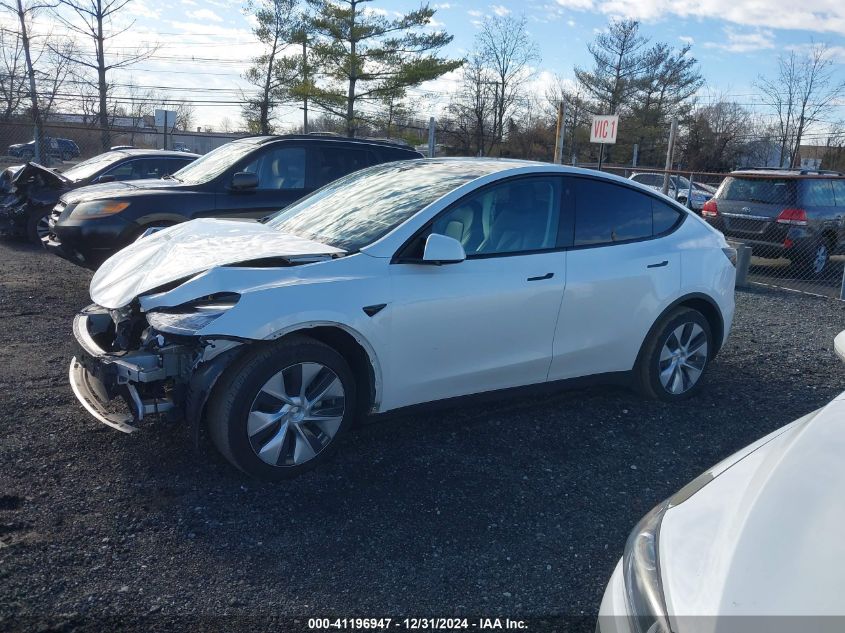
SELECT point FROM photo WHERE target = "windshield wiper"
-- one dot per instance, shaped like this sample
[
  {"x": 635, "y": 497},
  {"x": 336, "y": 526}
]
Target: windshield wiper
[{"x": 171, "y": 177}]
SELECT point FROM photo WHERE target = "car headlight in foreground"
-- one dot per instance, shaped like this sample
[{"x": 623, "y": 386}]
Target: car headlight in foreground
[{"x": 641, "y": 564}]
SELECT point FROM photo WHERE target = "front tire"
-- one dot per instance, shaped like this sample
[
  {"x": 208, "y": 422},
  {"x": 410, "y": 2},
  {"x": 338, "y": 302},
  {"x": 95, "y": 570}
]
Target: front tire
[
  {"x": 280, "y": 409},
  {"x": 37, "y": 226},
  {"x": 674, "y": 358}
]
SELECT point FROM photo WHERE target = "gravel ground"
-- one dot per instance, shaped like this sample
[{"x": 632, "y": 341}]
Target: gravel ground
[{"x": 516, "y": 508}]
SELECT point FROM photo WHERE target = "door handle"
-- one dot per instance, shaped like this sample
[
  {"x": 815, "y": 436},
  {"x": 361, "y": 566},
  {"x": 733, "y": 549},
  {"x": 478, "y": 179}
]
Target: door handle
[
  {"x": 665, "y": 262},
  {"x": 542, "y": 277}
]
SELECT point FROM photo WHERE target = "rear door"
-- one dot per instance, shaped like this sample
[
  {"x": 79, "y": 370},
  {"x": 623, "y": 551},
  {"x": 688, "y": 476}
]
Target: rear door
[
  {"x": 622, "y": 269},
  {"x": 282, "y": 179}
]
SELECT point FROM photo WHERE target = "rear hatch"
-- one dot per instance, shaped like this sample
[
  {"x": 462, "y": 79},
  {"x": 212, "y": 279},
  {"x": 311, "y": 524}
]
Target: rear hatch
[{"x": 749, "y": 205}]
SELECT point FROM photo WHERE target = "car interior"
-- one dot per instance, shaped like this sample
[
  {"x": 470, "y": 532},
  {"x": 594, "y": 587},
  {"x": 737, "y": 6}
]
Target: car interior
[{"x": 517, "y": 216}]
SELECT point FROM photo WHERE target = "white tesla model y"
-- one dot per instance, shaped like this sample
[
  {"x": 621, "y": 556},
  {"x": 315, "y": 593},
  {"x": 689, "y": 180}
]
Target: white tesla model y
[{"x": 400, "y": 284}]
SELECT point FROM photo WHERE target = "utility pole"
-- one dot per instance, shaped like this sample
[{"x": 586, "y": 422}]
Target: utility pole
[
  {"x": 561, "y": 114},
  {"x": 431, "y": 137},
  {"x": 670, "y": 151},
  {"x": 305, "y": 79}
]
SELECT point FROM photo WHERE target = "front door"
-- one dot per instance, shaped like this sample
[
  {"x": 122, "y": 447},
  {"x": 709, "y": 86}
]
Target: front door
[
  {"x": 488, "y": 322},
  {"x": 281, "y": 172}
]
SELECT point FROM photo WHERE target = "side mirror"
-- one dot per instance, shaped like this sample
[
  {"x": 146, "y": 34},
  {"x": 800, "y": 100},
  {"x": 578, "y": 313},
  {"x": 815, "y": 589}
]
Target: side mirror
[
  {"x": 440, "y": 249},
  {"x": 244, "y": 180},
  {"x": 839, "y": 345},
  {"x": 106, "y": 178}
]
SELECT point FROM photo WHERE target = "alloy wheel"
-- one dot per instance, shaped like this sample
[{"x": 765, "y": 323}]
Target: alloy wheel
[
  {"x": 820, "y": 259},
  {"x": 42, "y": 227},
  {"x": 682, "y": 358},
  {"x": 296, "y": 414}
]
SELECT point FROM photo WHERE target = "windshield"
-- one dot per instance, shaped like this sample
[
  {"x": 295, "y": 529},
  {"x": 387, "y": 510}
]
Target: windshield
[
  {"x": 88, "y": 168},
  {"x": 358, "y": 209},
  {"x": 214, "y": 163},
  {"x": 764, "y": 190}
]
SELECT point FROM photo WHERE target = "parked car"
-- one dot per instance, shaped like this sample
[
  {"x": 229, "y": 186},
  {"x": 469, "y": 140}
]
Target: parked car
[
  {"x": 61, "y": 148},
  {"x": 760, "y": 534},
  {"x": 679, "y": 188},
  {"x": 401, "y": 284},
  {"x": 247, "y": 178},
  {"x": 792, "y": 213},
  {"x": 35, "y": 189}
]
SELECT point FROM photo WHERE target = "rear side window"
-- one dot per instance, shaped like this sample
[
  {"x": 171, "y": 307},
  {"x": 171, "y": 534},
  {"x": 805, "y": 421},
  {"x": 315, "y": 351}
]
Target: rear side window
[
  {"x": 664, "y": 217},
  {"x": 817, "y": 193},
  {"x": 332, "y": 162},
  {"x": 839, "y": 192},
  {"x": 760, "y": 190},
  {"x": 606, "y": 213}
]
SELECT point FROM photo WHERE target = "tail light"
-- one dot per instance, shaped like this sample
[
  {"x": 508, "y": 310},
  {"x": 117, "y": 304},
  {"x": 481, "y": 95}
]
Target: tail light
[
  {"x": 795, "y": 217},
  {"x": 710, "y": 210}
]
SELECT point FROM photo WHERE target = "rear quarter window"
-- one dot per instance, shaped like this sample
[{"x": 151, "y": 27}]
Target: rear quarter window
[{"x": 817, "y": 193}]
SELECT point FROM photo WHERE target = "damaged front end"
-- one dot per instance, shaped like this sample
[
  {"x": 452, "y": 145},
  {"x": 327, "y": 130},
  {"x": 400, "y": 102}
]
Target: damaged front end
[{"x": 132, "y": 366}]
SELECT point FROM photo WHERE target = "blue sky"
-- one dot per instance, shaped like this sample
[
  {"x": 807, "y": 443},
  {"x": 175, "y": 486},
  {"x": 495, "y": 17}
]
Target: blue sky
[{"x": 205, "y": 45}]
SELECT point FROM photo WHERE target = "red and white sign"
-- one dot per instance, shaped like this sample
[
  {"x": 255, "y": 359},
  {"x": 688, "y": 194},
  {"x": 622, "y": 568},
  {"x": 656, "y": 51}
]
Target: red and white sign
[{"x": 604, "y": 128}]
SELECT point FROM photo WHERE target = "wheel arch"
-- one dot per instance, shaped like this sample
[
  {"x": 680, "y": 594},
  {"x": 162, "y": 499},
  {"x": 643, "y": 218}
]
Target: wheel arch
[
  {"x": 354, "y": 348},
  {"x": 700, "y": 302}
]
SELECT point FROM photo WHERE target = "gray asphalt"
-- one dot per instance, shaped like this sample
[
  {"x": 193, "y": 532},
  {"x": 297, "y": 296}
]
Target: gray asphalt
[{"x": 519, "y": 507}]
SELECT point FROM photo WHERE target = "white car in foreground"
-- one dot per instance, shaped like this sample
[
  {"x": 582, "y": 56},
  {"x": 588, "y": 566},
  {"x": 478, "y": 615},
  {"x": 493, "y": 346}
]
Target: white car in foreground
[
  {"x": 401, "y": 284},
  {"x": 755, "y": 539}
]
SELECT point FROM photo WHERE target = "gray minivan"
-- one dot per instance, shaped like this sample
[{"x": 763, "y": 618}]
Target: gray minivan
[{"x": 796, "y": 214}]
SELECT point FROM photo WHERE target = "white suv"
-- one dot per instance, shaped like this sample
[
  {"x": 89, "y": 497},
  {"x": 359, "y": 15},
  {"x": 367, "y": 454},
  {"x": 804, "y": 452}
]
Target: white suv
[{"x": 401, "y": 284}]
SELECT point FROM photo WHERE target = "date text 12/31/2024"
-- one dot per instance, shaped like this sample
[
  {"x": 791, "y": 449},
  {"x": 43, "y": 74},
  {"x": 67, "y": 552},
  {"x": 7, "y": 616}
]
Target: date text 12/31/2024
[{"x": 416, "y": 624}]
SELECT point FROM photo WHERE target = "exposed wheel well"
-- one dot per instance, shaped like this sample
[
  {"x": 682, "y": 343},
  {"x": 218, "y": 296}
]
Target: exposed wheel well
[
  {"x": 830, "y": 237},
  {"x": 354, "y": 353},
  {"x": 711, "y": 313}
]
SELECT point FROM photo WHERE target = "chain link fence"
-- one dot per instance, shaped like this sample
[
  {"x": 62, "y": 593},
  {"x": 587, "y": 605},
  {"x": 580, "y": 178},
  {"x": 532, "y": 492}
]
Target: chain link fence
[{"x": 793, "y": 221}]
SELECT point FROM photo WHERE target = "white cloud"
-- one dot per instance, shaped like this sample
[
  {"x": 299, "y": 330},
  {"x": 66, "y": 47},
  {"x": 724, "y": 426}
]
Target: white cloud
[
  {"x": 822, "y": 16},
  {"x": 737, "y": 42},
  {"x": 687, "y": 39},
  {"x": 474, "y": 13},
  {"x": 499, "y": 10},
  {"x": 441, "y": 5},
  {"x": 204, "y": 14}
]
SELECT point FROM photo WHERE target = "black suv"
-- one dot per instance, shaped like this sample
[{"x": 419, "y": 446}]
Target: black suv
[
  {"x": 247, "y": 178},
  {"x": 33, "y": 190},
  {"x": 792, "y": 213}
]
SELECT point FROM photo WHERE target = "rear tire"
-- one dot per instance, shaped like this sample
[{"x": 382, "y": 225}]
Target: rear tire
[
  {"x": 811, "y": 263},
  {"x": 281, "y": 408},
  {"x": 675, "y": 356}
]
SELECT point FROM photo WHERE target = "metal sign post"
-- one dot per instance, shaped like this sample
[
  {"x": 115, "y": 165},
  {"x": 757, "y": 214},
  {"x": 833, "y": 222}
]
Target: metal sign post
[{"x": 603, "y": 131}]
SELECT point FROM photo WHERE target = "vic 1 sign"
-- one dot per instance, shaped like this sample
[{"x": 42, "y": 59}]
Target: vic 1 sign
[{"x": 604, "y": 129}]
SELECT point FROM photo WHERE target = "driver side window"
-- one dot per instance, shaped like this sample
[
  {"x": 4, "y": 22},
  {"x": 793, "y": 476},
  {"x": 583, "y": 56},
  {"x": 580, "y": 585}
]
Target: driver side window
[
  {"x": 520, "y": 215},
  {"x": 280, "y": 168}
]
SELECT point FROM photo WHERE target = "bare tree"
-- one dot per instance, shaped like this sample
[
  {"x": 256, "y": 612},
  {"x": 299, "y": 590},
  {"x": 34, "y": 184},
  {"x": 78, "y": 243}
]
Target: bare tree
[
  {"x": 92, "y": 19},
  {"x": 473, "y": 109},
  {"x": 185, "y": 113},
  {"x": 25, "y": 12},
  {"x": 577, "y": 112},
  {"x": 804, "y": 90},
  {"x": 140, "y": 103},
  {"x": 509, "y": 53},
  {"x": 13, "y": 77}
]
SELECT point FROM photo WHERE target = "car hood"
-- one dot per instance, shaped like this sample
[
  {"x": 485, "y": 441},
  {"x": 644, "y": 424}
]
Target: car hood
[
  {"x": 123, "y": 188},
  {"x": 181, "y": 251},
  {"x": 765, "y": 536},
  {"x": 51, "y": 178}
]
